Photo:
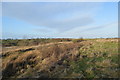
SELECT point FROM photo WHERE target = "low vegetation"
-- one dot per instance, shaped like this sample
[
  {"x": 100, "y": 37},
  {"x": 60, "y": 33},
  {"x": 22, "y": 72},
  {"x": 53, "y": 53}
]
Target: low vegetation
[
  {"x": 30, "y": 42},
  {"x": 62, "y": 58},
  {"x": 78, "y": 40}
]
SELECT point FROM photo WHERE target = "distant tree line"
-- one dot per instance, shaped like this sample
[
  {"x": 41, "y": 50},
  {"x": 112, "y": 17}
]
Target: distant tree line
[
  {"x": 30, "y": 42},
  {"x": 36, "y": 41}
]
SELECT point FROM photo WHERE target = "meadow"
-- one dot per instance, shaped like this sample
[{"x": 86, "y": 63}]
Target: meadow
[{"x": 60, "y": 58}]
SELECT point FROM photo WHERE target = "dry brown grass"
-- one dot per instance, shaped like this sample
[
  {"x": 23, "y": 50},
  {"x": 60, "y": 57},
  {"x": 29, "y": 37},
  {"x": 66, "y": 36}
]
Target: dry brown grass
[
  {"x": 19, "y": 61},
  {"x": 54, "y": 59}
]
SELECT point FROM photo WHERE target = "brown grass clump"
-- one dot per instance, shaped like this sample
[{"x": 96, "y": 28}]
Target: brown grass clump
[{"x": 38, "y": 59}]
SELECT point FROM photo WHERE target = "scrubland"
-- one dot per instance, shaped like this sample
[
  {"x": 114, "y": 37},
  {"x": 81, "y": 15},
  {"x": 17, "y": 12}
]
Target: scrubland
[{"x": 60, "y": 58}]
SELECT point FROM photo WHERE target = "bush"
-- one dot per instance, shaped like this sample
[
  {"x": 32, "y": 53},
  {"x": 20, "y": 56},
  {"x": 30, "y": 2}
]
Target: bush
[{"x": 77, "y": 40}]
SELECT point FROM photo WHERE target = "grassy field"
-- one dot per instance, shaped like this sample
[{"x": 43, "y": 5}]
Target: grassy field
[{"x": 60, "y": 58}]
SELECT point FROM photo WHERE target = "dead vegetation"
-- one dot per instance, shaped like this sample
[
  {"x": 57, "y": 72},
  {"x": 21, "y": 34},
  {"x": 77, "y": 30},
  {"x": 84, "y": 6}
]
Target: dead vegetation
[
  {"x": 20, "y": 61},
  {"x": 84, "y": 59}
]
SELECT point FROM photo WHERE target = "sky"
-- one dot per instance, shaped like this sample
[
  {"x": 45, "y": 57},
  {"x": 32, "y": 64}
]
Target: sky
[{"x": 59, "y": 20}]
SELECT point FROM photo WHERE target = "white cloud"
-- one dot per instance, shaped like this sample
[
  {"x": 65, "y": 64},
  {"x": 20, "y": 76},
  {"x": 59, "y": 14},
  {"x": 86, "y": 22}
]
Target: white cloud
[
  {"x": 110, "y": 30},
  {"x": 60, "y": 19},
  {"x": 61, "y": 16}
]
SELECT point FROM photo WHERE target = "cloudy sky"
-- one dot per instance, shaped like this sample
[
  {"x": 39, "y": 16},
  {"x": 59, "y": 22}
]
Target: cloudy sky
[{"x": 59, "y": 19}]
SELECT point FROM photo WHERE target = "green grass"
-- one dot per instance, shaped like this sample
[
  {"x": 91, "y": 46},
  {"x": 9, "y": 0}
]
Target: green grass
[{"x": 102, "y": 50}]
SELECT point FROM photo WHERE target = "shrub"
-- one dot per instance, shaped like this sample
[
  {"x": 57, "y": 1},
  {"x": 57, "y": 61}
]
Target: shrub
[{"x": 77, "y": 40}]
